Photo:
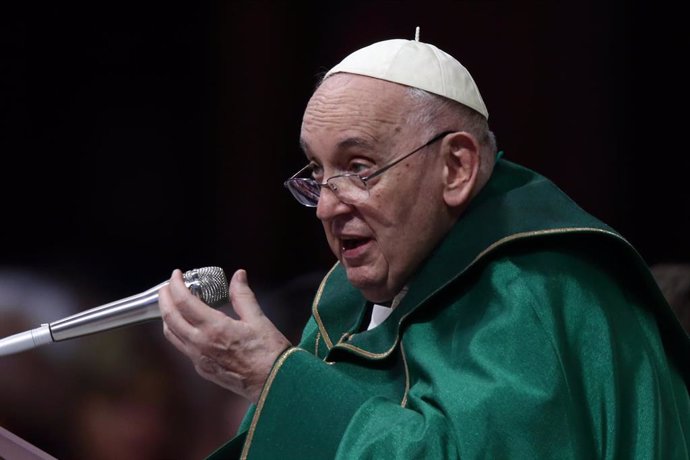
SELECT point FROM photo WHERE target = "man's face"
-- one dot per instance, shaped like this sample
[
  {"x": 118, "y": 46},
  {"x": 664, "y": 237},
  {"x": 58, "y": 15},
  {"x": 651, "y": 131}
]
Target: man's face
[{"x": 356, "y": 124}]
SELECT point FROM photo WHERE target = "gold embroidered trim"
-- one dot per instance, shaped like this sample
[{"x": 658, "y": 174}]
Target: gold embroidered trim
[
  {"x": 262, "y": 400},
  {"x": 316, "y": 344},
  {"x": 315, "y": 311},
  {"x": 403, "y": 403},
  {"x": 495, "y": 245}
]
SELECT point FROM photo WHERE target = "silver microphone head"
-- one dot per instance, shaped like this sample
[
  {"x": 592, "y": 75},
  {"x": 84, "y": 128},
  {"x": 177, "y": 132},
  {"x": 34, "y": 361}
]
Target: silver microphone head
[{"x": 209, "y": 284}]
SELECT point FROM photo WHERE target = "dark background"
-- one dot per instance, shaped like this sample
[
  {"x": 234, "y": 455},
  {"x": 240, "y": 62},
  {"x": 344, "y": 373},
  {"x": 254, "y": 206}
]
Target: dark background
[
  {"x": 137, "y": 138},
  {"x": 141, "y": 137}
]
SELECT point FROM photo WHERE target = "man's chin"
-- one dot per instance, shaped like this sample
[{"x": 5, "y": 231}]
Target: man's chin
[{"x": 372, "y": 287}]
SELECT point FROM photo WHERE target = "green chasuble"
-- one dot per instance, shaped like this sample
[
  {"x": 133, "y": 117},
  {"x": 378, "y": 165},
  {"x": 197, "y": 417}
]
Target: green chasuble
[{"x": 532, "y": 331}]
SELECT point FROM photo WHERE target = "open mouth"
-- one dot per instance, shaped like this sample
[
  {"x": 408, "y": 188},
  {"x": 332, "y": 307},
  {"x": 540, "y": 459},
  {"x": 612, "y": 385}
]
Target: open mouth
[{"x": 353, "y": 243}]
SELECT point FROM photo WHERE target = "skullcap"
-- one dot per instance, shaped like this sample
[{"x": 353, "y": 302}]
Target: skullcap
[{"x": 415, "y": 64}]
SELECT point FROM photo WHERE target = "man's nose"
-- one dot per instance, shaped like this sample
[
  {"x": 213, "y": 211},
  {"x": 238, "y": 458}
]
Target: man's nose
[{"x": 329, "y": 204}]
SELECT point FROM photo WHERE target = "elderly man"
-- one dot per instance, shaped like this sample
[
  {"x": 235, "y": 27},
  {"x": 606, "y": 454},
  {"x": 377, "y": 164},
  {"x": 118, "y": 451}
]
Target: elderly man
[{"x": 475, "y": 311}]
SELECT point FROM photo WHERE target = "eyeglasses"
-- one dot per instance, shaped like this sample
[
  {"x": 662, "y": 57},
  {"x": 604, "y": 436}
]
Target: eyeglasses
[{"x": 350, "y": 188}]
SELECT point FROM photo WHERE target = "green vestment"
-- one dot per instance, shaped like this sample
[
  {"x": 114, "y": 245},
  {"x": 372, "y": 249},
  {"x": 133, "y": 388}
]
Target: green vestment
[{"x": 532, "y": 331}]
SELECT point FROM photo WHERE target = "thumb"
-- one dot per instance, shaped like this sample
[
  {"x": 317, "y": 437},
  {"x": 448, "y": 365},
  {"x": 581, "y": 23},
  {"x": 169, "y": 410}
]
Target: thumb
[{"x": 242, "y": 297}]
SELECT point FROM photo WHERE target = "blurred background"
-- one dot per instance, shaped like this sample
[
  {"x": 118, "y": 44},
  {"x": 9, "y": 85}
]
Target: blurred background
[{"x": 141, "y": 137}]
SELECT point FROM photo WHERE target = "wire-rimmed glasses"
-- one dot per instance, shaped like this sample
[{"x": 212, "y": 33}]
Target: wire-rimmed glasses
[{"x": 350, "y": 188}]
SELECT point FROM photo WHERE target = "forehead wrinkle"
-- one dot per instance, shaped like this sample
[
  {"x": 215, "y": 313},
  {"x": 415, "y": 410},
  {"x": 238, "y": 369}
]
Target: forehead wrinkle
[
  {"x": 354, "y": 113},
  {"x": 351, "y": 106},
  {"x": 350, "y": 116}
]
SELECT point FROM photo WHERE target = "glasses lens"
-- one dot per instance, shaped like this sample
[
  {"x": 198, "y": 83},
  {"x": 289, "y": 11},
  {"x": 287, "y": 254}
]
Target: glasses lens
[
  {"x": 305, "y": 190},
  {"x": 349, "y": 188}
]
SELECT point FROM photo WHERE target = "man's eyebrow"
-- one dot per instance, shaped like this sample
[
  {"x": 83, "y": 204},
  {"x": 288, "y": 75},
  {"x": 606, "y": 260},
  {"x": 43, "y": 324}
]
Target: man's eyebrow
[{"x": 359, "y": 142}]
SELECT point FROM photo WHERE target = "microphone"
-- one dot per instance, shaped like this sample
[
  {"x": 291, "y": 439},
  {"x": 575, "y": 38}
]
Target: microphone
[{"x": 208, "y": 283}]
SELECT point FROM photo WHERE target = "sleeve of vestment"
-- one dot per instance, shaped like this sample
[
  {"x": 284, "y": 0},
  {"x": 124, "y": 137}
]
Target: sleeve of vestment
[{"x": 542, "y": 355}]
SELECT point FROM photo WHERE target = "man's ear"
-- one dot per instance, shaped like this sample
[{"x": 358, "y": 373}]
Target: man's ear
[{"x": 461, "y": 168}]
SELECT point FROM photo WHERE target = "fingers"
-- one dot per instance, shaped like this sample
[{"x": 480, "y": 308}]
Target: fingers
[
  {"x": 242, "y": 297},
  {"x": 166, "y": 304},
  {"x": 189, "y": 307},
  {"x": 174, "y": 339},
  {"x": 192, "y": 310},
  {"x": 175, "y": 326},
  {"x": 235, "y": 354},
  {"x": 184, "y": 315}
]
